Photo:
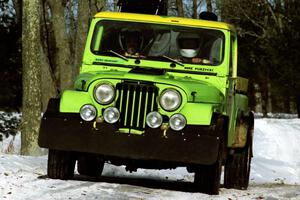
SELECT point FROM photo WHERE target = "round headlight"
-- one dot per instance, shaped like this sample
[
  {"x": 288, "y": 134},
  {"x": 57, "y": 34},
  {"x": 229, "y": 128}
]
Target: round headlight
[
  {"x": 177, "y": 122},
  {"x": 111, "y": 115},
  {"x": 104, "y": 93},
  {"x": 88, "y": 112},
  {"x": 170, "y": 100},
  {"x": 154, "y": 119}
]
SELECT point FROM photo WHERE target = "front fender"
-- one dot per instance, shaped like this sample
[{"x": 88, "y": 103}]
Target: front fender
[
  {"x": 198, "y": 113},
  {"x": 71, "y": 101}
]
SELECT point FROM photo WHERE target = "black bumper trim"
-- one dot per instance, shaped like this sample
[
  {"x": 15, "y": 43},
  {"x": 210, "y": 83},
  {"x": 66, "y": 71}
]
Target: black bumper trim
[{"x": 66, "y": 131}]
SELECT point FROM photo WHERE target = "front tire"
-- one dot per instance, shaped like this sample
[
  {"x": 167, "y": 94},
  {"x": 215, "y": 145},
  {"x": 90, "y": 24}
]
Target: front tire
[
  {"x": 237, "y": 166},
  {"x": 207, "y": 177},
  {"x": 237, "y": 169},
  {"x": 90, "y": 165},
  {"x": 61, "y": 164}
]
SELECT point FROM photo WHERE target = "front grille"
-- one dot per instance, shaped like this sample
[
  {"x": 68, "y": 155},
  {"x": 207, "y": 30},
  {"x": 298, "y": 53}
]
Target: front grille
[{"x": 135, "y": 101}]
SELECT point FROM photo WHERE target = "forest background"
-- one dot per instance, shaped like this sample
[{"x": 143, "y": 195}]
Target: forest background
[{"x": 42, "y": 41}]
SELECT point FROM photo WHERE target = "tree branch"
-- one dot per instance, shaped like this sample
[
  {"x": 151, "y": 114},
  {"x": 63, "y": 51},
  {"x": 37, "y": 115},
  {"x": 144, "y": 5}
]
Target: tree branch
[
  {"x": 253, "y": 21},
  {"x": 271, "y": 11}
]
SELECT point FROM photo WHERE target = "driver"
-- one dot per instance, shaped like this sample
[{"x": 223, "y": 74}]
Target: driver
[
  {"x": 131, "y": 42},
  {"x": 189, "y": 45}
]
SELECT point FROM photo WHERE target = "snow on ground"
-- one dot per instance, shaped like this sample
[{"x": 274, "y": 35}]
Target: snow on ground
[
  {"x": 276, "y": 151},
  {"x": 11, "y": 145},
  {"x": 275, "y": 174}
]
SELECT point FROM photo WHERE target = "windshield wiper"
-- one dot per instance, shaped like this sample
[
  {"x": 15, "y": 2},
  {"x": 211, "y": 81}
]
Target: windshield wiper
[
  {"x": 116, "y": 54},
  {"x": 171, "y": 59}
]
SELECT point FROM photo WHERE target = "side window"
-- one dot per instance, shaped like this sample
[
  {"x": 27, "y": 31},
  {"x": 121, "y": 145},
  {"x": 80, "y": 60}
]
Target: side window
[{"x": 216, "y": 51}]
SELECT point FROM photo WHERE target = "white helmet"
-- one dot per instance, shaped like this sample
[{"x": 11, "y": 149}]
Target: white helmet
[{"x": 189, "y": 44}]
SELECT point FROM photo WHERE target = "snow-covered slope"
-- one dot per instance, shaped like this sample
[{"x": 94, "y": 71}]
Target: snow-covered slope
[
  {"x": 275, "y": 173},
  {"x": 276, "y": 151}
]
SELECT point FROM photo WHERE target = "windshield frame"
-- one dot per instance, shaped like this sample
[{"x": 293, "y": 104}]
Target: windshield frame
[{"x": 98, "y": 30}]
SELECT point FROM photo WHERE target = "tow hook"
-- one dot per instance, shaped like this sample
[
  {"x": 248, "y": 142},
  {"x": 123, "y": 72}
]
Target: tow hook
[
  {"x": 164, "y": 128},
  {"x": 97, "y": 121}
]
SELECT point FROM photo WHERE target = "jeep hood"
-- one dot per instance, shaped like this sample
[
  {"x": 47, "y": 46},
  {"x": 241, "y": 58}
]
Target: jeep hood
[{"x": 196, "y": 90}]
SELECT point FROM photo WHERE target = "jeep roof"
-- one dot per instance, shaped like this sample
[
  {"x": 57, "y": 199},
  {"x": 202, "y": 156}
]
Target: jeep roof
[{"x": 165, "y": 19}]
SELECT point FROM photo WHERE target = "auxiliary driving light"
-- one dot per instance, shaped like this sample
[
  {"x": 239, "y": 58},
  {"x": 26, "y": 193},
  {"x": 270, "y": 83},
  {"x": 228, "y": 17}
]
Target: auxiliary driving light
[
  {"x": 111, "y": 115},
  {"x": 154, "y": 119},
  {"x": 177, "y": 122},
  {"x": 88, "y": 112}
]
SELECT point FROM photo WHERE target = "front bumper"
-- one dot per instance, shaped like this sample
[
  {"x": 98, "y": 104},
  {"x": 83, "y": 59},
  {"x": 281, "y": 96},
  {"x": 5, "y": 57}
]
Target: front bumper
[{"x": 67, "y": 131}]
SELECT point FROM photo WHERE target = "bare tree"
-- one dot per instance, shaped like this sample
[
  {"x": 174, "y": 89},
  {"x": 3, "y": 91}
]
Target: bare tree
[
  {"x": 62, "y": 56},
  {"x": 83, "y": 21},
  {"x": 97, "y": 6},
  {"x": 53, "y": 35},
  {"x": 115, "y": 5},
  {"x": 180, "y": 8},
  {"x": 81, "y": 32},
  {"x": 31, "y": 48},
  {"x": 209, "y": 5},
  {"x": 195, "y": 8},
  {"x": 49, "y": 85},
  {"x": 18, "y": 9}
]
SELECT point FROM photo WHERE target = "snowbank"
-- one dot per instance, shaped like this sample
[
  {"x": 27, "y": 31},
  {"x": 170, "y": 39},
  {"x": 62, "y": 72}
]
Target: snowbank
[{"x": 276, "y": 151}]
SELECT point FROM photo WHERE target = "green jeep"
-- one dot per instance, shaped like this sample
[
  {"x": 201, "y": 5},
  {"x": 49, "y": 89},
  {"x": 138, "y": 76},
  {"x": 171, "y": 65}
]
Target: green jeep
[{"x": 154, "y": 92}]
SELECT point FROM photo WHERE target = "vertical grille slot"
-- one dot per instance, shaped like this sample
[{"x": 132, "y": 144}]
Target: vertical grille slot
[{"x": 135, "y": 101}]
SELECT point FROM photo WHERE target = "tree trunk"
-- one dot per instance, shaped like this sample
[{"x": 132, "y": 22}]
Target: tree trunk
[
  {"x": 258, "y": 98},
  {"x": 287, "y": 102},
  {"x": 195, "y": 7},
  {"x": 97, "y": 6},
  {"x": 18, "y": 9},
  {"x": 298, "y": 103},
  {"x": 63, "y": 57},
  {"x": 222, "y": 9},
  {"x": 180, "y": 8},
  {"x": 278, "y": 5},
  {"x": 81, "y": 32},
  {"x": 31, "y": 107},
  {"x": 209, "y": 5},
  {"x": 269, "y": 96},
  {"x": 48, "y": 85},
  {"x": 115, "y": 5},
  {"x": 264, "y": 97},
  {"x": 172, "y": 8},
  {"x": 83, "y": 22}
]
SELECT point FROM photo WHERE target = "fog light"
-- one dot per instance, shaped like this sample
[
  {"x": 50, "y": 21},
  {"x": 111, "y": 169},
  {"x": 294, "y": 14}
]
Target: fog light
[
  {"x": 111, "y": 115},
  {"x": 88, "y": 112},
  {"x": 154, "y": 119},
  {"x": 177, "y": 122}
]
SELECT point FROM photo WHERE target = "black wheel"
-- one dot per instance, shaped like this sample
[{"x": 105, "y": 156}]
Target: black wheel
[
  {"x": 207, "y": 177},
  {"x": 237, "y": 166},
  {"x": 237, "y": 169},
  {"x": 61, "y": 164},
  {"x": 90, "y": 165}
]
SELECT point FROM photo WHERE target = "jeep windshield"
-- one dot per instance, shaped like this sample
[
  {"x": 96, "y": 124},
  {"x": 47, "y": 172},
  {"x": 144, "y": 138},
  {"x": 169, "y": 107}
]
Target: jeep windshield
[{"x": 158, "y": 42}]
